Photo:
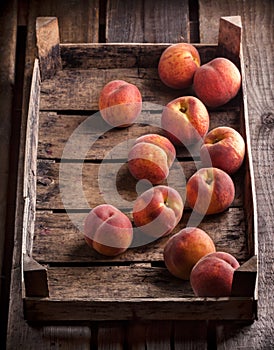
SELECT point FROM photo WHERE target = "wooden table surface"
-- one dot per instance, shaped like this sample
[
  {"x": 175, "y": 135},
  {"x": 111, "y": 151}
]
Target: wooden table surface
[{"x": 132, "y": 21}]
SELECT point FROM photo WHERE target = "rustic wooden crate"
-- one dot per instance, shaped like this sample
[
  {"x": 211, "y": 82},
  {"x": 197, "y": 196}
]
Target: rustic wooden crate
[{"x": 63, "y": 279}]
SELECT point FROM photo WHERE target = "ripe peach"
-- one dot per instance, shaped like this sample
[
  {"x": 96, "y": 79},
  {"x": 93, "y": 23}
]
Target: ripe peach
[
  {"x": 150, "y": 158},
  {"x": 223, "y": 148},
  {"x": 120, "y": 103},
  {"x": 210, "y": 191},
  {"x": 185, "y": 120},
  {"x": 178, "y": 64},
  {"x": 217, "y": 82},
  {"x": 212, "y": 276},
  {"x": 184, "y": 249},
  {"x": 158, "y": 210},
  {"x": 108, "y": 230}
]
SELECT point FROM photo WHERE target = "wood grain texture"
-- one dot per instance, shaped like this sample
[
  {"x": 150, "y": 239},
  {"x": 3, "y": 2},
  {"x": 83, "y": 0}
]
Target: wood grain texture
[
  {"x": 30, "y": 162},
  {"x": 73, "y": 89},
  {"x": 111, "y": 337},
  {"x": 62, "y": 231},
  {"x": 66, "y": 337},
  {"x": 143, "y": 21},
  {"x": 139, "y": 309},
  {"x": 82, "y": 186},
  {"x": 121, "y": 55},
  {"x": 70, "y": 14},
  {"x": 257, "y": 18},
  {"x": 80, "y": 89},
  {"x": 55, "y": 130}
]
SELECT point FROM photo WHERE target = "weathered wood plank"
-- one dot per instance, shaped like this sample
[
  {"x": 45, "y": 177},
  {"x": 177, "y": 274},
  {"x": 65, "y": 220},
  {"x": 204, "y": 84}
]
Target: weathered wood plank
[
  {"x": 100, "y": 283},
  {"x": 62, "y": 231},
  {"x": 55, "y": 130},
  {"x": 82, "y": 186},
  {"x": 74, "y": 89},
  {"x": 85, "y": 12},
  {"x": 30, "y": 162},
  {"x": 137, "y": 308},
  {"x": 209, "y": 17},
  {"x": 138, "y": 21},
  {"x": 80, "y": 89},
  {"x": 257, "y": 18},
  {"x": 120, "y": 55}
]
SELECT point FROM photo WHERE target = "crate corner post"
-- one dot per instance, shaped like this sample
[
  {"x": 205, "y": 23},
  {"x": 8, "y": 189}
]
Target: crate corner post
[{"x": 48, "y": 46}]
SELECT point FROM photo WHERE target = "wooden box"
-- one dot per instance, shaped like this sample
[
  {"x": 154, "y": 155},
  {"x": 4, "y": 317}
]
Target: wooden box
[{"x": 72, "y": 165}]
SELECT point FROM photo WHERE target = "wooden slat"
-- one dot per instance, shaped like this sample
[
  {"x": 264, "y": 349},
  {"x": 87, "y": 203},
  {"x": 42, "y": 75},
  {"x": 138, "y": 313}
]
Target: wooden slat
[
  {"x": 85, "y": 185},
  {"x": 100, "y": 283},
  {"x": 120, "y": 55},
  {"x": 79, "y": 90},
  {"x": 58, "y": 230},
  {"x": 30, "y": 162},
  {"x": 138, "y": 21},
  {"x": 73, "y": 89},
  {"x": 55, "y": 130},
  {"x": 140, "y": 308}
]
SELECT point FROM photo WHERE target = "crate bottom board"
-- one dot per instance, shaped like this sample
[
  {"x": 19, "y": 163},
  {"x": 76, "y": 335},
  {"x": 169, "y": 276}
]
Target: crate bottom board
[{"x": 128, "y": 293}]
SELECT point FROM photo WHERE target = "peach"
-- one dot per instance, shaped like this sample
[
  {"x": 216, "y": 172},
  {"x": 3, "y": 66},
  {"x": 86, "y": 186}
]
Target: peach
[
  {"x": 210, "y": 191},
  {"x": 150, "y": 158},
  {"x": 185, "y": 120},
  {"x": 108, "y": 230},
  {"x": 223, "y": 148},
  {"x": 120, "y": 103},
  {"x": 212, "y": 276},
  {"x": 185, "y": 249},
  {"x": 178, "y": 64},
  {"x": 217, "y": 82},
  {"x": 158, "y": 210}
]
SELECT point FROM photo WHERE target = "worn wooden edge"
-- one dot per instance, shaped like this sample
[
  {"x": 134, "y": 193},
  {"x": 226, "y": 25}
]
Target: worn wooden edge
[
  {"x": 48, "y": 40},
  {"x": 43, "y": 309},
  {"x": 30, "y": 159},
  {"x": 33, "y": 274}
]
